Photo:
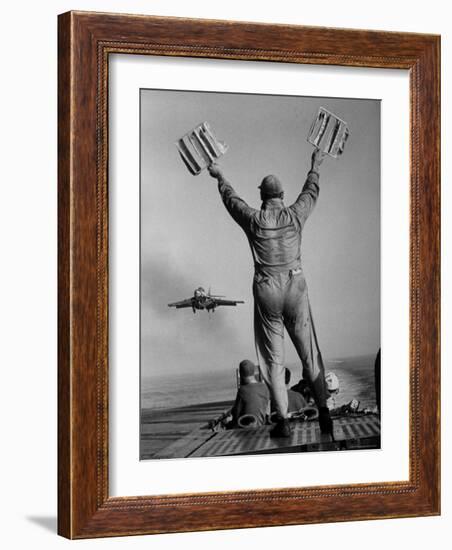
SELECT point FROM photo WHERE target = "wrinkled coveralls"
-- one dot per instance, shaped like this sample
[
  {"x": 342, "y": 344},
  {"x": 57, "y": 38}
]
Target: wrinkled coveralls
[{"x": 279, "y": 287}]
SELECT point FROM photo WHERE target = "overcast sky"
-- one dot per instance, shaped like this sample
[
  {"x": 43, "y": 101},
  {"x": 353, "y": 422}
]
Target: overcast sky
[{"x": 189, "y": 240}]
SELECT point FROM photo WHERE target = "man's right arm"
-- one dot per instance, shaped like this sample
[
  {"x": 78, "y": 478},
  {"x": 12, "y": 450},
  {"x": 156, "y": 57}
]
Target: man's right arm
[{"x": 235, "y": 205}]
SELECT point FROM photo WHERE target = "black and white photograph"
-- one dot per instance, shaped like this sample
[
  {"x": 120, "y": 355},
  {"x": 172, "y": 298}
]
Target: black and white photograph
[
  {"x": 226, "y": 253},
  {"x": 260, "y": 274}
]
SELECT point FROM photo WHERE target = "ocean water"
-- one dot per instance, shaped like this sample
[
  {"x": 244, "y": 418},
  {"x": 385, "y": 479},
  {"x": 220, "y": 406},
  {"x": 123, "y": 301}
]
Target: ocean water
[{"x": 356, "y": 378}]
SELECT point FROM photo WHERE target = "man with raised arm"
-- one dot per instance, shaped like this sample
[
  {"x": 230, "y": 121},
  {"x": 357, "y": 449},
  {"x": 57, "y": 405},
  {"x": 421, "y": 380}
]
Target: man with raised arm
[{"x": 279, "y": 287}]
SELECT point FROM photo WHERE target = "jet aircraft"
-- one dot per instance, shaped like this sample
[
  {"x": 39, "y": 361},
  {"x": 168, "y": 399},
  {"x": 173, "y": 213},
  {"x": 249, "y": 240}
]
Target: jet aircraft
[{"x": 204, "y": 300}]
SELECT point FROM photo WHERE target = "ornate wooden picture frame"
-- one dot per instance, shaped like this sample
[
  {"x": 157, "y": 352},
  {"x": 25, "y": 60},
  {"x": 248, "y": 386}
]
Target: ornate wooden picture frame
[{"x": 86, "y": 41}]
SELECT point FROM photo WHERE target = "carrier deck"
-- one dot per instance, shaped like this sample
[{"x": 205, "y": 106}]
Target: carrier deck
[{"x": 351, "y": 431}]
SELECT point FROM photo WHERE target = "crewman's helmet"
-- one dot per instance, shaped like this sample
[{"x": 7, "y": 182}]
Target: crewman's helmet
[
  {"x": 332, "y": 382},
  {"x": 271, "y": 185},
  {"x": 246, "y": 368}
]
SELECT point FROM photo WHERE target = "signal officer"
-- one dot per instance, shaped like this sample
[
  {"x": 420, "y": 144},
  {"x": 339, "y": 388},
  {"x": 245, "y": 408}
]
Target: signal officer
[{"x": 279, "y": 286}]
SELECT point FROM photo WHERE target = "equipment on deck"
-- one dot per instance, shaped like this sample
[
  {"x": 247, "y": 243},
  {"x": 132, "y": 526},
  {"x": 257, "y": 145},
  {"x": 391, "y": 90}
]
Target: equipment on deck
[{"x": 247, "y": 421}]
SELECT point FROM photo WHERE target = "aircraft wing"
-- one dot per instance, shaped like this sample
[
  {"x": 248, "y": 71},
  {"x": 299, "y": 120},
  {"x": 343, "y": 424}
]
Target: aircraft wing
[
  {"x": 182, "y": 303},
  {"x": 220, "y": 302}
]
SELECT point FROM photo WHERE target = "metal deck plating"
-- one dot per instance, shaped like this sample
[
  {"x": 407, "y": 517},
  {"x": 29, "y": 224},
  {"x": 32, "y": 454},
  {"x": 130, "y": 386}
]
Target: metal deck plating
[{"x": 350, "y": 432}]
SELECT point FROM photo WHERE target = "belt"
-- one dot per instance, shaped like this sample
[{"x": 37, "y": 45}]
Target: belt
[{"x": 272, "y": 271}]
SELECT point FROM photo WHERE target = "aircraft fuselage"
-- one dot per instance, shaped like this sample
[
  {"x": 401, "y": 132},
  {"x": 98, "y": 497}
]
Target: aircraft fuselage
[{"x": 204, "y": 302}]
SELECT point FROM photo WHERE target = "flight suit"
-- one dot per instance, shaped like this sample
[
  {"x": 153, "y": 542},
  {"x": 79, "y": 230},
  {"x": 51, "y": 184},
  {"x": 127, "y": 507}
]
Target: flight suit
[{"x": 279, "y": 287}]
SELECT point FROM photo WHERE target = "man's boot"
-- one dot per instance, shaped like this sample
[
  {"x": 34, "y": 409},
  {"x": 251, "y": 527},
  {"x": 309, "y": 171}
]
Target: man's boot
[
  {"x": 325, "y": 422},
  {"x": 282, "y": 428}
]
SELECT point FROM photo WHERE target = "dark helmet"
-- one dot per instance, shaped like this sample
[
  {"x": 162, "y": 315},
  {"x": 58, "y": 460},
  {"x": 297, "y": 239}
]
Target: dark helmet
[
  {"x": 271, "y": 185},
  {"x": 246, "y": 368}
]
